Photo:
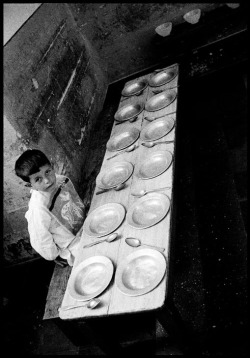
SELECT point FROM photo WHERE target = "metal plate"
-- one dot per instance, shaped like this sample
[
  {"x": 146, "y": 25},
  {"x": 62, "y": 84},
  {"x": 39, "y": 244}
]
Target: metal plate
[
  {"x": 104, "y": 219},
  {"x": 140, "y": 272},
  {"x": 161, "y": 78},
  {"x": 160, "y": 100},
  {"x": 114, "y": 175},
  {"x": 157, "y": 129},
  {"x": 90, "y": 278},
  {"x": 134, "y": 88},
  {"x": 123, "y": 140},
  {"x": 148, "y": 210},
  {"x": 155, "y": 164},
  {"x": 128, "y": 111}
]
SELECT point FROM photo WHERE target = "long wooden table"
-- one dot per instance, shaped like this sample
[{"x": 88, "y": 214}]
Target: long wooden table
[{"x": 114, "y": 302}]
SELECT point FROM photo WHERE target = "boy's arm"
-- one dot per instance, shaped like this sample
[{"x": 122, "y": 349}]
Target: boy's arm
[{"x": 40, "y": 237}]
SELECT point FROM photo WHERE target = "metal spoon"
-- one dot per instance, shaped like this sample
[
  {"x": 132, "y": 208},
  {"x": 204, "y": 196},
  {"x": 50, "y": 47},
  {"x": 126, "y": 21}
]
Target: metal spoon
[
  {"x": 144, "y": 192},
  {"x": 165, "y": 89},
  {"x": 131, "y": 241},
  {"x": 152, "y": 144},
  {"x": 163, "y": 69},
  {"x": 150, "y": 119},
  {"x": 117, "y": 188},
  {"x": 91, "y": 304},
  {"x": 131, "y": 120},
  {"x": 110, "y": 238},
  {"x": 129, "y": 149}
]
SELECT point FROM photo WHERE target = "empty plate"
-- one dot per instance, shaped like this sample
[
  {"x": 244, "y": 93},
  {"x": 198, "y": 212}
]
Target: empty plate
[
  {"x": 104, "y": 219},
  {"x": 128, "y": 111},
  {"x": 114, "y": 175},
  {"x": 155, "y": 164},
  {"x": 157, "y": 129},
  {"x": 90, "y": 278},
  {"x": 134, "y": 88},
  {"x": 148, "y": 210},
  {"x": 161, "y": 78},
  {"x": 140, "y": 272},
  {"x": 123, "y": 140},
  {"x": 160, "y": 100}
]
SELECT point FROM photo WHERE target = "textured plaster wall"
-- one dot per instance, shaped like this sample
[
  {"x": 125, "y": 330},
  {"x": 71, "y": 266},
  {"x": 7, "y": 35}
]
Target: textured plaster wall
[
  {"x": 54, "y": 89},
  {"x": 124, "y": 33}
]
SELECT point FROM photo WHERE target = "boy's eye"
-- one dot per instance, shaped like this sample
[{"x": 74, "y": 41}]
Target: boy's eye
[{"x": 37, "y": 180}]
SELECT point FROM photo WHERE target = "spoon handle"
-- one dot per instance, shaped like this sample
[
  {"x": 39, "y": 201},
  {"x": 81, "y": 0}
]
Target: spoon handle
[
  {"x": 102, "y": 191},
  {"x": 66, "y": 308},
  {"x": 154, "y": 118},
  {"x": 117, "y": 124},
  {"x": 115, "y": 155},
  {"x": 158, "y": 189},
  {"x": 93, "y": 243},
  {"x": 161, "y": 249},
  {"x": 164, "y": 141},
  {"x": 165, "y": 89}
]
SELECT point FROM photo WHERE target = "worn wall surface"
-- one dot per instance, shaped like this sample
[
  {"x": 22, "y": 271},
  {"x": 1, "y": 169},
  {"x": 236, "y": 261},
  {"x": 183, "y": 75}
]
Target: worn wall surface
[
  {"x": 54, "y": 89},
  {"x": 124, "y": 33}
]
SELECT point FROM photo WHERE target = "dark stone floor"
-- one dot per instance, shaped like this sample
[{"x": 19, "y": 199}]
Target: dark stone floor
[{"x": 208, "y": 276}]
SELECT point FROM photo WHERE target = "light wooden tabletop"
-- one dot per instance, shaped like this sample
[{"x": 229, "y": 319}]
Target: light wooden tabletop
[{"x": 113, "y": 301}]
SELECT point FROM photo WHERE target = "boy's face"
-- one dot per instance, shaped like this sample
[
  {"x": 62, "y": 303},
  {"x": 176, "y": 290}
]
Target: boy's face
[{"x": 44, "y": 180}]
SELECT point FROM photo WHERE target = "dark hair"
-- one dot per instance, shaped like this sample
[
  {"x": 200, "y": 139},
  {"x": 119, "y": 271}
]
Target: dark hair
[{"x": 30, "y": 163}]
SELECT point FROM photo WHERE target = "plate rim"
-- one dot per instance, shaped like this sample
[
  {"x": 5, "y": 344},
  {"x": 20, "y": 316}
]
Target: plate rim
[
  {"x": 134, "y": 115},
  {"x": 117, "y": 134},
  {"x": 152, "y": 124},
  {"x": 144, "y": 198},
  {"x": 100, "y": 175},
  {"x": 159, "y": 94},
  {"x": 88, "y": 218},
  {"x": 151, "y": 154},
  {"x": 110, "y": 269},
  {"x": 155, "y": 85},
  {"x": 134, "y": 93},
  {"x": 121, "y": 266}
]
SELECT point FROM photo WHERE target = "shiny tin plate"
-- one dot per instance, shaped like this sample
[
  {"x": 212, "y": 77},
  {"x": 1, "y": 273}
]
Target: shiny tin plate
[
  {"x": 134, "y": 88},
  {"x": 104, "y": 219},
  {"x": 163, "y": 77},
  {"x": 160, "y": 100},
  {"x": 140, "y": 272},
  {"x": 157, "y": 129},
  {"x": 123, "y": 140},
  {"x": 90, "y": 278},
  {"x": 155, "y": 164},
  {"x": 128, "y": 111},
  {"x": 148, "y": 210},
  {"x": 114, "y": 175}
]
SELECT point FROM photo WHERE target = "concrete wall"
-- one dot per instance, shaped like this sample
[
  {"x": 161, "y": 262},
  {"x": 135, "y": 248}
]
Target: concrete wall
[
  {"x": 123, "y": 34},
  {"x": 54, "y": 89},
  {"x": 15, "y": 15}
]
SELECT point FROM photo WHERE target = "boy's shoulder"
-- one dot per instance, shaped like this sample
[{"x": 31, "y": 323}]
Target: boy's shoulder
[{"x": 38, "y": 199}]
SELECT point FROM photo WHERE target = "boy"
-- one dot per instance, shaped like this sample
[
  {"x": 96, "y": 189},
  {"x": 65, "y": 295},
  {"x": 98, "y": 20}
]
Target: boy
[{"x": 56, "y": 213}]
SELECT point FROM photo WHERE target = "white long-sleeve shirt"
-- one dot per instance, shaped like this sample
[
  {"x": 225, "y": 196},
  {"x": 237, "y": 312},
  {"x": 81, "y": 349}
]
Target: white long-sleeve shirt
[{"x": 48, "y": 236}]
